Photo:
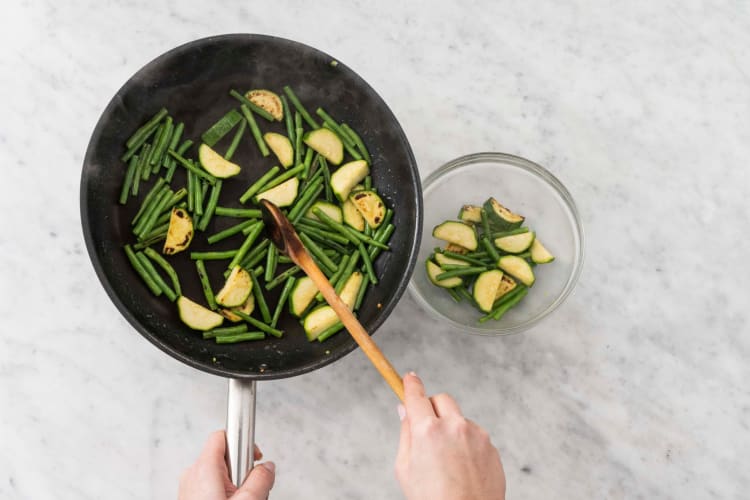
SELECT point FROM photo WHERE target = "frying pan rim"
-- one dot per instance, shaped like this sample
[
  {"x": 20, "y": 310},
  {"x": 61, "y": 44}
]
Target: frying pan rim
[{"x": 153, "y": 337}]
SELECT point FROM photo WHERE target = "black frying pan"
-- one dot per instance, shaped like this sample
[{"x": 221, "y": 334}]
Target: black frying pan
[{"x": 192, "y": 82}]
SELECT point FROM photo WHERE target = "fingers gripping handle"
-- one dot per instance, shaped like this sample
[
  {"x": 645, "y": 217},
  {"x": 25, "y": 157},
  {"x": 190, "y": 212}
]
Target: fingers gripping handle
[{"x": 240, "y": 429}]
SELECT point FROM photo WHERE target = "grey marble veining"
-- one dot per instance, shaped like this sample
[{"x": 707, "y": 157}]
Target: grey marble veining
[{"x": 636, "y": 388}]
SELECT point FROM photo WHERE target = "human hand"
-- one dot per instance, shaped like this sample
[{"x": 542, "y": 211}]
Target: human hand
[
  {"x": 208, "y": 477},
  {"x": 441, "y": 454}
]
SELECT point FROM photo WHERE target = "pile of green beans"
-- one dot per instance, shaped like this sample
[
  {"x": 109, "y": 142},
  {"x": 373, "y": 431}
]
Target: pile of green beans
[{"x": 157, "y": 151}]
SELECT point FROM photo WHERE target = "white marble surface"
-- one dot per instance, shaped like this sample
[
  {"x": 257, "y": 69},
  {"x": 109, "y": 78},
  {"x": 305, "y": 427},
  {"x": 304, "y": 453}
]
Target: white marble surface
[{"x": 636, "y": 388}]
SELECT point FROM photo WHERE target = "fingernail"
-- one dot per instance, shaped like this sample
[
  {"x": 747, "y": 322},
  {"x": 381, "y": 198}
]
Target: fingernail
[
  {"x": 412, "y": 374},
  {"x": 401, "y": 412},
  {"x": 270, "y": 466}
]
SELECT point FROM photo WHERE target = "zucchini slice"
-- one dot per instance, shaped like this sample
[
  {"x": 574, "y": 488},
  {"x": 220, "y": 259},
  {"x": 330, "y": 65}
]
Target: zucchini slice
[
  {"x": 442, "y": 260},
  {"x": 331, "y": 210},
  {"x": 281, "y": 147},
  {"x": 516, "y": 243},
  {"x": 470, "y": 213},
  {"x": 302, "y": 295},
  {"x": 347, "y": 176},
  {"x": 539, "y": 254},
  {"x": 267, "y": 100},
  {"x": 236, "y": 289},
  {"x": 501, "y": 219},
  {"x": 327, "y": 143},
  {"x": 215, "y": 164},
  {"x": 485, "y": 289},
  {"x": 282, "y": 195},
  {"x": 180, "y": 232},
  {"x": 506, "y": 285},
  {"x": 349, "y": 293},
  {"x": 456, "y": 232},
  {"x": 196, "y": 316},
  {"x": 248, "y": 307},
  {"x": 370, "y": 206},
  {"x": 319, "y": 320},
  {"x": 433, "y": 270},
  {"x": 352, "y": 217},
  {"x": 518, "y": 268}
]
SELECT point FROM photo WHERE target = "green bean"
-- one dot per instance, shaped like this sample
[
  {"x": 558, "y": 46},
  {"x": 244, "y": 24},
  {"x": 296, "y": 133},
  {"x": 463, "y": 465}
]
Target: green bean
[
  {"x": 282, "y": 300},
  {"x": 149, "y": 240},
  {"x": 144, "y": 171},
  {"x": 330, "y": 331},
  {"x": 127, "y": 183},
  {"x": 375, "y": 251},
  {"x": 298, "y": 105},
  {"x": 498, "y": 312},
  {"x": 288, "y": 119},
  {"x": 150, "y": 197},
  {"x": 366, "y": 239},
  {"x": 336, "y": 278},
  {"x": 151, "y": 270},
  {"x": 249, "y": 240},
  {"x": 282, "y": 178},
  {"x": 284, "y": 259},
  {"x": 240, "y": 337},
  {"x": 173, "y": 163},
  {"x": 324, "y": 234},
  {"x": 177, "y": 196},
  {"x": 340, "y": 228},
  {"x": 308, "y": 161},
  {"x": 317, "y": 224},
  {"x": 463, "y": 271},
  {"x": 512, "y": 232},
  {"x": 490, "y": 248},
  {"x": 454, "y": 294},
  {"x": 367, "y": 263},
  {"x": 173, "y": 141},
  {"x": 191, "y": 190},
  {"x": 230, "y": 231},
  {"x": 348, "y": 271},
  {"x": 251, "y": 213},
  {"x": 271, "y": 257},
  {"x": 255, "y": 131},
  {"x": 462, "y": 257},
  {"x": 145, "y": 276},
  {"x": 223, "y": 125},
  {"x": 478, "y": 254},
  {"x": 211, "y": 207},
  {"x": 361, "y": 292},
  {"x": 148, "y": 220},
  {"x": 311, "y": 199},
  {"x": 303, "y": 198},
  {"x": 160, "y": 230},
  {"x": 249, "y": 261},
  {"x": 485, "y": 223},
  {"x": 205, "y": 284},
  {"x": 260, "y": 301},
  {"x": 255, "y": 186},
  {"x": 227, "y": 330},
  {"x": 368, "y": 183},
  {"x": 281, "y": 277},
  {"x": 161, "y": 145},
  {"x": 235, "y": 141},
  {"x": 327, "y": 177},
  {"x": 463, "y": 292},
  {"x": 156, "y": 257},
  {"x": 198, "y": 193},
  {"x": 251, "y": 105},
  {"x": 316, "y": 251},
  {"x": 331, "y": 248},
  {"x": 146, "y": 128},
  {"x": 386, "y": 221},
  {"x": 192, "y": 168},
  {"x": 228, "y": 254},
  {"x": 298, "y": 145},
  {"x": 155, "y": 146},
  {"x": 358, "y": 142},
  {"x": 259, "y": 324}
]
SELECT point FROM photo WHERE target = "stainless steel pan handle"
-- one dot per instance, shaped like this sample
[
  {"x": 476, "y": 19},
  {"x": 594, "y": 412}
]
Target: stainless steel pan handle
[{"x": 240, "y": 429}]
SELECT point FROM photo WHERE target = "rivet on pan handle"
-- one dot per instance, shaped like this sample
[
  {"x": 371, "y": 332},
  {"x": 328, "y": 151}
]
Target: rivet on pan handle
[{"x": 240, "y": 429}]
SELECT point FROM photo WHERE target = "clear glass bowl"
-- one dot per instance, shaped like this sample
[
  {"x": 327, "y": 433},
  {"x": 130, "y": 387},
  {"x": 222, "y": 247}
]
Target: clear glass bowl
[{"x": 526, "y": 188}]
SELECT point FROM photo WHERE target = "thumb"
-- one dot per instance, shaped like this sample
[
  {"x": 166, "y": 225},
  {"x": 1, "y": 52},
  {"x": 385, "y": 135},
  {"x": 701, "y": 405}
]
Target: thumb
[
  {"x": 258, "y": 484},
  {"x": 402, "y": 457}
]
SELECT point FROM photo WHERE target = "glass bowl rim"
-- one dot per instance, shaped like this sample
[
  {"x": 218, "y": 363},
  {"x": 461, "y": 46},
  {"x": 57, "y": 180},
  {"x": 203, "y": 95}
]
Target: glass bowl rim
[{"x": 544, "y": 175}]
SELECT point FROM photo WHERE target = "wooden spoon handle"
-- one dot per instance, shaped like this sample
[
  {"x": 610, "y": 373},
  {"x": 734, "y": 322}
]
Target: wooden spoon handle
[{"x": 358, "y": 333}]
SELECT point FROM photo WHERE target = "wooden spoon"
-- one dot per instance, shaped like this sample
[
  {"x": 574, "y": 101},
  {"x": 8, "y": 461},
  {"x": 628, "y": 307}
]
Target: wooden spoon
[{"x": 283, "y": 235}]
